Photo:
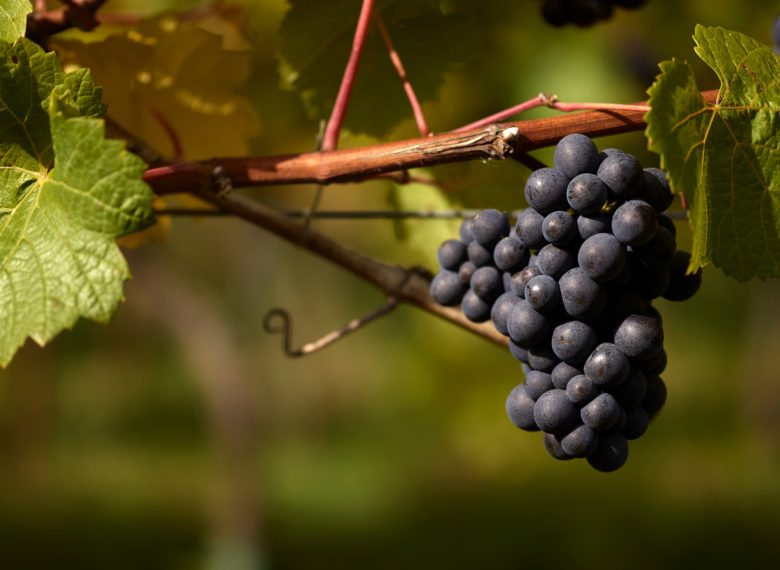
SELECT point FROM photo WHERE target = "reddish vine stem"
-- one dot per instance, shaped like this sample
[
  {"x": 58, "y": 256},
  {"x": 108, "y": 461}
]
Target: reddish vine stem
[
  {"x": 331, "y": 139},
  {"x": 419, "y": 117},
  {"x": 357, "y": 164}
]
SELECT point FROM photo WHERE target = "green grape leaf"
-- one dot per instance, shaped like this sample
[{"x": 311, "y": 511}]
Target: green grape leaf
[
  {"x": 723, "y": 157},
  {"x": 316, "y": 40},
  {"x": 65, "y": 194},
  {"x": 13, "y": 19}
]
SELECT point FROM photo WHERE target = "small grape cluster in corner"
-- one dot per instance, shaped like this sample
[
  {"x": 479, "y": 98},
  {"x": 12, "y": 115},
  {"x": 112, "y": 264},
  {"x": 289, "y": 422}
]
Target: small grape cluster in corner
[
  {"x": 582, "y": 12},
  {"x": 571, "y": 284}
]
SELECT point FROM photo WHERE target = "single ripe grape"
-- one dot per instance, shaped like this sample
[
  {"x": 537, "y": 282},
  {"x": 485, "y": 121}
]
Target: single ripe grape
[
  {"x": 542, "y": 293},
  {"x": 586, "y": 193},
  {"x": 562, "y": 373},
  {"x": 580, "y": 442},
  {"x": 639, "y": 336},
  {"x": 682, "y": 285},
  {"x": 478, "y": 254},
  {"x": 611, "y": 452},
  {"x": 622, "y": 174},
  {"x": 537, "y": 383},
  {"x": 555, "y": 261},
  {"x": 573, "y": 341},
  {"x": 656, "y": 190},
  {"x": 576, "y": 154},
  {"x": 602, "y": 257},
  {"x": 601, "y": 413},
  {"x": 582, "y": 297},
  {"x": 500, "y": 311},
  {"x": 554, "y": 412},
  {"x": 511, "y": 254},
  {"x": 451, "y": 254},
  {"x": 529, "y": 228},
  {"x": 634, "y": 222},
  {"x": 487, "y": 283},
  {"x": 592, "y": 224},
  {"x": 581, "y": 389},
  {"x": 447, "y": 288},
  {"x": 489, "y": 227},
  {"x": 520, "y": 409},
  {"x": 527, "y": 326},
  {"x": 545, "y": 191},
  {"x": 559, "y": 228},
  {"x": 607, "y": 366},
  {"x": 542, "y": 358}
]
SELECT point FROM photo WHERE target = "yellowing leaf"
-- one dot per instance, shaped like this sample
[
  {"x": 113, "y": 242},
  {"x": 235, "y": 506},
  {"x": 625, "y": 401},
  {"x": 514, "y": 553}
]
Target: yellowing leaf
[{"x": 167, "y": 76}]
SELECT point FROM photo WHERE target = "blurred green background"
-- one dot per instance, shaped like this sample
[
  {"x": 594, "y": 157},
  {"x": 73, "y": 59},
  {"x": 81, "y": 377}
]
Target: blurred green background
[{"x": 180, "y": 436}]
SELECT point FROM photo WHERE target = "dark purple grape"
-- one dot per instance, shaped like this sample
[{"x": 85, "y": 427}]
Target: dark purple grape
[
  {"x": 542, "y": 293},
  {"x": 581, "y": 389},
  {"x": 527, "y": 326},
  {"x": 607, "y": 366},
  {"x": 636, "y": 423},
  {"x": 554, "y": 412},
  {"x": 447, "y": 288},
  {"x": 559, "y": 228},
  {"x": 562, "y": 373},
  {"x": 537, "y": 383},
  {"x": 573, "y": 341},
  {"x": 520, "y": 409},
  {"x": 682, "y": 285},
  {"x": 655, "y": 190},
  {"x": 580, "y": 442},
  {"x": 478, "y": 254},
  {"x": 487, "y": 284},
  {"x": 659, "y": 250},
  {"x": 601, "y": 413},
  {"x": 555, "y": 261},
  {"x": 639, "y": 336},
  {"x": 586, "y": 194},
  {"x": 518, "y": 352},
  {"x": 622, "y": 174},
  {"x": 451, "y": 254},
  {"x": 553, "y": 446},
  {"x": 466, "y": 270},
  {"x": 602, "y": 257},
  {"x": 665, "y": 221},
  {"x": 632, "y": 391},
  {"x": 489, "y": 227},
  {"x": 511, "y": 254},
  {"x": 529, "y": 228},
  {"x": 576, "y": 154},
  {"x": 474, "y": 308},
  {"x": 655, "y": 365},
  {"x": 590, "y": 225},
  {"x": 611, "y": 452},
  {"x": 634, "y": 222},
  {"x": 500, "y": 311},
  {"x": 656, "y": 395},
  {"x": 545, "y": 191},
  {"x": 582, "y": 297},
  {"x": 542, "y": 358},
  {"x": 465, "y": 230}
]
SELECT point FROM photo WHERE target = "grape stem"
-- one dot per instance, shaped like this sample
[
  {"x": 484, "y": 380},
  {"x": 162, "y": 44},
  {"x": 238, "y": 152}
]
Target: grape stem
[{"x": 330, "y": 141}]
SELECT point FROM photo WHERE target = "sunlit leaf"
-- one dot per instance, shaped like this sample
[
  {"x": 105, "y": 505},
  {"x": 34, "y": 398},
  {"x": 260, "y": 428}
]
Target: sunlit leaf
[
  {"x": 13, "y": 19},
  {"x": 724, "y": 157},
  {"x": 65, "y": 193}
]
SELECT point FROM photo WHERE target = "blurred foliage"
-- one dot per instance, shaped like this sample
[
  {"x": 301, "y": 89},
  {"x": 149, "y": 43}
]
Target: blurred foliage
[{"x": 390, "y": 448}]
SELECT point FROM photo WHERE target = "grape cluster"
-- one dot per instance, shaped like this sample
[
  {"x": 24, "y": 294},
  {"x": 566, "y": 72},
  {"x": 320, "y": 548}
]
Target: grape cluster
[
  {"x": 571, "y": 284},
  {"x": 582, "y": 12}
]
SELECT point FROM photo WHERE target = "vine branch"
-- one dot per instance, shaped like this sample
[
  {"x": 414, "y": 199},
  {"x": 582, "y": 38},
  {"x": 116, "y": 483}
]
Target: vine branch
[{"x": 351, "y": 165}]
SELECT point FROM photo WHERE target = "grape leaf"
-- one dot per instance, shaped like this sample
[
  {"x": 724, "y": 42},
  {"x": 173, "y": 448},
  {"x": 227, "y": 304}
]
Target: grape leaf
[
  {"x": 165, "y": 77},
  {"x": 65, "y": 194},
  {"x": 316, "y": 40},
  {"x": 13, "y": 19},
  {"x": 724, "y": 156}
]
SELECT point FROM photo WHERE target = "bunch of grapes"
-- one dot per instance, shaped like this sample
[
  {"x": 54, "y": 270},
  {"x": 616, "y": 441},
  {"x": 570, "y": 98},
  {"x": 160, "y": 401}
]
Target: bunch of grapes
[
  {"x": 582, "y": 12},
  {"x": 571, "y": 284}
]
